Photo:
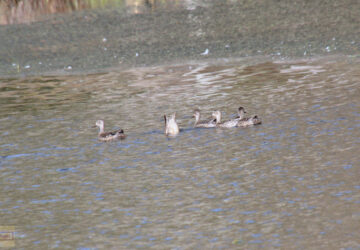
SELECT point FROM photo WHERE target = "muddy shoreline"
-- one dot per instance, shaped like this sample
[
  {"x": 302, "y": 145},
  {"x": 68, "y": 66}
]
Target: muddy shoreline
[{"x": 91, "y": 40}]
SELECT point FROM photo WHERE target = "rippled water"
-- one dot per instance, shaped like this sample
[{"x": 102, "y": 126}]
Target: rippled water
[{"x": 292, "y": 182}]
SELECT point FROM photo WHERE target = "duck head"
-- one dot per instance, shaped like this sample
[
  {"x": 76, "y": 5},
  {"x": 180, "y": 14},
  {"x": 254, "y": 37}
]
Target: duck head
[{"x": 241, "y": 112}]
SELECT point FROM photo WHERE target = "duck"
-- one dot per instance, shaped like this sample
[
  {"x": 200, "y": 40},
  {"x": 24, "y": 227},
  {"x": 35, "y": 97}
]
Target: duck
[
  {"x": 171, "y": 127},
  {"x": 240, "y": 121},
  {"x": 202, "y": 124},
  {"x": 228, "y": 124},
  {"x": 246, "y": 121},
  {"x": 255, "y": 120},
  {"x": 108, "y": 136}
]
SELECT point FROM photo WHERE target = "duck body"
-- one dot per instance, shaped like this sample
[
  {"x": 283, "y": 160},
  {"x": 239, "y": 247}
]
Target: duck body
[
  {"x": 240, "y": 121},
  {"x": 245, "y": 122},
  {"x": 113, "y": 135},
  {"x": 171, "y": 127},
  {"x": 203, "y": 124},
  {"x": 109, "y": 136},
  {"x": 228, "y": 124}
]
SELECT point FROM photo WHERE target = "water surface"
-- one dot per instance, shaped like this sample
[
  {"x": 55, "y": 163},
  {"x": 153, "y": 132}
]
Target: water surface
[{"x": 291, "y": 182}]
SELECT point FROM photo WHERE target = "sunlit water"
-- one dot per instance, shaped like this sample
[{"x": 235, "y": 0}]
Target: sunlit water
[{"x": 292, "y": 182}]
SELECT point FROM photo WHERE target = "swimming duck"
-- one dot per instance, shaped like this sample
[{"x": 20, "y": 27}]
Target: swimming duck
[
  {"x": 171, "y": 127},
  {"x": 108, "y": 136},
  {"x": 244, "y": 122},
  {"x": 202, "y": 124},
  {"x": 240, "y": 121},
  {"x": 228, "y": 124},
  {"x": 255, "y": 120}
]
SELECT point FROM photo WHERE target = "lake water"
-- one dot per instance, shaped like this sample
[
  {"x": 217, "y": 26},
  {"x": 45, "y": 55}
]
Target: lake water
[{"x": 289, "y": 183}]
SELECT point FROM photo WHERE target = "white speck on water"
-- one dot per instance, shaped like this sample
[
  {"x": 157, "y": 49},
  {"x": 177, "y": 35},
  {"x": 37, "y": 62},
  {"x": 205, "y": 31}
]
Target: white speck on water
[
  {"x": 206, "y": 52},
  {"x": 305, "y": 53},
  {"x": 227, "y": 46},
  {"x": 278, "y": 53},
  {"x": 352, "y": 42},
  {"x": 40, "y": 63},
  {"x": 328, "y": 48},
  {"x": 334, "y": 39},
  {"x": 14, "y": 64},
  {"x": 27, "y": 67},
  {"x": 104, "y": 39},
  {"x": 105, "y": 48},
  {"x": 137, "y": 54},
  {"x": 69, "y": 67},
  {"x": 259, "y": 51}
]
